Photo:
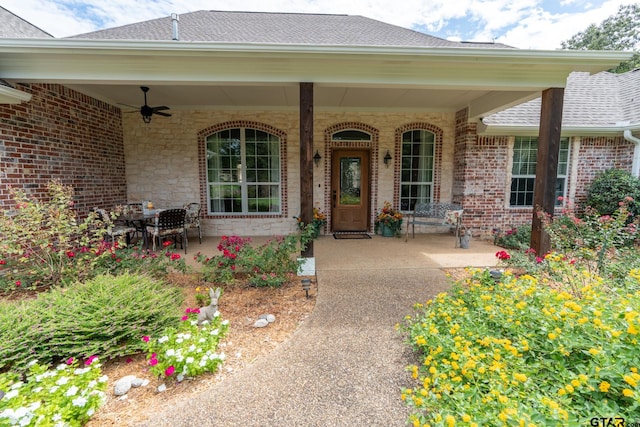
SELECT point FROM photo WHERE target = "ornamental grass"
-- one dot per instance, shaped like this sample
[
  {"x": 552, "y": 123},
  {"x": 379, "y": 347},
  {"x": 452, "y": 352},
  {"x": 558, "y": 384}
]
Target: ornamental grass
[{"x": 526, "y": 351}]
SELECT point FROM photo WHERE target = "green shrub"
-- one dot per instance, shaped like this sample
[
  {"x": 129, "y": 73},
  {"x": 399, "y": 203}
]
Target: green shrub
[
  {"x": 105, "y": 316},
  {"x": 270, "y": 264},
  {"x": 64, "y": 396},
  {"x": 514, "y": 238},
  {"x": 187, "y": 350},
  {"x": 612, "y": 186},
  {"x": 521, "y": 352}
]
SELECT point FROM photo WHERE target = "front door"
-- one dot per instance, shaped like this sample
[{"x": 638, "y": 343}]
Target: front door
[{"x": 350, "y": 190}]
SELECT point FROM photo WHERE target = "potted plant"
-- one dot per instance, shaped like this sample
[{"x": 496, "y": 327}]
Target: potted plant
[
  {"x": 388, "y": 221},
  {"x": 319, "y": 220}
]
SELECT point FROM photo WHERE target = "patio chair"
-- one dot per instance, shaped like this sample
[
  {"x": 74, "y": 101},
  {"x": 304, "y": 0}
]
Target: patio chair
[
  {"x": 193, "y": 218},
  {"x": 114, "y": 230},
  {"x": 169, "y": 223}
]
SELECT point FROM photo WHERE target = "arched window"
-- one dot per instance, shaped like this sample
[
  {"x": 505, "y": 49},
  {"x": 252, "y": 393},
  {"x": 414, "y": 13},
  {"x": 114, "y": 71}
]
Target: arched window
[
  {"x": 351, "y": 135},
  {"x": 243, "y": 172},
  {"x": 416, "y": 175}
]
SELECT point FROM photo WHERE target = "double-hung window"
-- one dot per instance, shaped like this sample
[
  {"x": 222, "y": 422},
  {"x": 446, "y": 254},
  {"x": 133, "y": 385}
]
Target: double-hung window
[
  {"x": 416, "y": 176},
  {"x": 523, "y": 172},
  {"x": 243, "y": 172}
]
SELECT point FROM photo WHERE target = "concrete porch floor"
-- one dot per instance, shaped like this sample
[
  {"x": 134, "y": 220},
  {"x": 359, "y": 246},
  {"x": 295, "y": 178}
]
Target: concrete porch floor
[{"x": 377, "y": 253}]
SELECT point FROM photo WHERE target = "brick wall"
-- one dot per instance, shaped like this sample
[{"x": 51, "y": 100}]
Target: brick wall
[{"x": 66, "y": 135}]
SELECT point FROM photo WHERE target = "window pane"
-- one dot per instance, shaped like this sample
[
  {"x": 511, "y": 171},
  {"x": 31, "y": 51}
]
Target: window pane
[
  {"x": 525, "y": 151},
  {"x": 351, "y": 135},
  {"x": 350, "y": 170},
  {"x": 261, "y": 152},
  {"x": 416, "y": 175}
]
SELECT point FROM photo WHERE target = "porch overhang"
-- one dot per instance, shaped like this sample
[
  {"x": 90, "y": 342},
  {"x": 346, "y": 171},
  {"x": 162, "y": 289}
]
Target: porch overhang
[
  {"x": 484, "y": 80},
  {"x": 9, "y": 95}
]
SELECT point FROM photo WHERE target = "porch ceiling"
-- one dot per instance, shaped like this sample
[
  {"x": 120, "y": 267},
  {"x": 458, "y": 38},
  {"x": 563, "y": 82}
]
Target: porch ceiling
[{"x": 214, "y": 75}]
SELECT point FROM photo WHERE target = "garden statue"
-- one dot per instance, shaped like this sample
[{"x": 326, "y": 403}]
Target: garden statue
[{"x": 208, "y": 313}]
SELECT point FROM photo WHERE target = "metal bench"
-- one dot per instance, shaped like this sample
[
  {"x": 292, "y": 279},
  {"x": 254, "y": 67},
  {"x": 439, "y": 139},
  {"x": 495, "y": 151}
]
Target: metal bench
[{"x": 435, "y": 214}]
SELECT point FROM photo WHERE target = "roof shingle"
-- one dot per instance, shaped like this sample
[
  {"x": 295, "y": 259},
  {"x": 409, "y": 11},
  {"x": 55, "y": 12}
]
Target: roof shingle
[{"x": 278, "y": 28}]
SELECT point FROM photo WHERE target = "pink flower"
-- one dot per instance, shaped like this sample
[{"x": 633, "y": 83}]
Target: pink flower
[
  {"x": 169, "y": 371},
  {"x": 539, "y": 260},
  {"x": 183, "y": 318},
  {"x": 90, "y": 360},
  {"x": 18, "y": 283},
  {"x": 69, "y": 361},
  {"x": 153, "y": 361},
  {"x": 145, "y": 338},
  {"x": 129, "y": 360}
]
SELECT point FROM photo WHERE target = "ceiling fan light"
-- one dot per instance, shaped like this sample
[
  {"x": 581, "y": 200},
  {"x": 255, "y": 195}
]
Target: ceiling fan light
[{"x": 146, "y": 119}]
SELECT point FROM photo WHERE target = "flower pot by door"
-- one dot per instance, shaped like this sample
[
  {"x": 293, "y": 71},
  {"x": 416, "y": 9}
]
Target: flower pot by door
[{"x": 386, "y": 231}]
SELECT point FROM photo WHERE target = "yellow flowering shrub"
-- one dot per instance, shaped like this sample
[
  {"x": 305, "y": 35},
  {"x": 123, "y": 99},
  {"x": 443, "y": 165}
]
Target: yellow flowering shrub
[{"x": 521, "y": 352}]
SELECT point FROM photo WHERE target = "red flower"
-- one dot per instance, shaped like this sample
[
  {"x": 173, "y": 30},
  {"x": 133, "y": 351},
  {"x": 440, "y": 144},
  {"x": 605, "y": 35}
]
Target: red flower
[
  {"x": 169, "y": 371},
  {"x": 18, "y": 283},
  {"x": 70, "y": 254},
  {"x": 503, "y": 255},
  {"x": 2, "y": 262},
  {"x": 175, "y": 257},
  {"x": 166, "y": 243}
]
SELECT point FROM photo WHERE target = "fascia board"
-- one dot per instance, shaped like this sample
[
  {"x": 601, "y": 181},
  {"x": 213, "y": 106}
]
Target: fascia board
[
  {"x": 514, "y": 130},
  {"x": 117, "y": 61}
]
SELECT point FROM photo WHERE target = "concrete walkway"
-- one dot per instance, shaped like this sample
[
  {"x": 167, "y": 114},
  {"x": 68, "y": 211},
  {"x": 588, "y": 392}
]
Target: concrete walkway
[{"x": 345, "y": 365}]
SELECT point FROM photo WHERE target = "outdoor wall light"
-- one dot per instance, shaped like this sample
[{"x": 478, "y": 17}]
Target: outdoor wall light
[
  {"x": 387, "y": 159},
  {"x": 306, "y": 285},
  {"x": 316, "y": 158}
]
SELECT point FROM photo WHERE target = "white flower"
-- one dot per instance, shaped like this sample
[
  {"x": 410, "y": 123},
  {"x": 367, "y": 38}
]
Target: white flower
[
  {"x": 192, "y": 347},
  {"x": 214, "y": 332},
  {"x": 187, "y": 336},
  {"x": 61, "y": 367},
  {"x": 92, "y": 384},
  {"x": 225, "y": 322},
  {"x": 80, "y": 371},
  {"x": 79, "y": 401},
  {"x": 35, "y": 405},
  {"x": 216, "y": 314},
  {"x": 33, "y": 362},
  {"x": 198, "y": 350},
  {"x": 170, "y": 352},
  {"x": 91, "y": 411},
  {"x": 179, "y": 340},
  {"x": 205, "y": 322},
  {"x": 17, "y": 385},
  {"x": 213, "y": 356},
  {"x": 222, "y": 356},
  {"x": 201, "y": 340},
  {"x": 73, "y": 390},
  {"x": 62, "y": 380},
  {"x": 103, "y": 379},
  {"x": 56, "y": 417},
  {"x": 190, "y": 360},
  {"x": 203, "y": 363},
  {"x": 53, "y": 389},
  {"x": 37, "y": 389},
  {"x": 12, "y": 393},
  {"x": 194, "y": 323},
  {"x": 179, "y": 358},
  {"x": 163, "y": 339}
]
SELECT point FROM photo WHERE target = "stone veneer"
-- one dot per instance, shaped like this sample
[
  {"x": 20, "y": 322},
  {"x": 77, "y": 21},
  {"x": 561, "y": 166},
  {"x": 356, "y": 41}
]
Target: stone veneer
[{"x": 164, "y": 161}]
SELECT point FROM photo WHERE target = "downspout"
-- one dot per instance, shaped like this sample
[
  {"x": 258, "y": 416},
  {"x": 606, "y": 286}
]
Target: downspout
[{"x": 635, "y": 166}]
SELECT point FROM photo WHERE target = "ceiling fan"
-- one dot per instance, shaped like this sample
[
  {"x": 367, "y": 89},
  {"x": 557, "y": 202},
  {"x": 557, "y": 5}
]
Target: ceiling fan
[{"x": 147, "y": 111}]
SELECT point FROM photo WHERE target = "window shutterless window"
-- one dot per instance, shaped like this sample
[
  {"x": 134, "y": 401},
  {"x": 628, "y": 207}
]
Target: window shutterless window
[
  {"x": 243, "y": 172},
  {"x": 416, "y": 175},
  {"x": 523, "y": 172}
]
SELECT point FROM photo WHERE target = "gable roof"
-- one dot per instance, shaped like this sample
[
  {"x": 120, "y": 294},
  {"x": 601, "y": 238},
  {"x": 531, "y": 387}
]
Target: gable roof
[
  {"x": 12, "y": 26},
  {"x": 278, "y": 28},
  {"x": 598, "y": 103}
]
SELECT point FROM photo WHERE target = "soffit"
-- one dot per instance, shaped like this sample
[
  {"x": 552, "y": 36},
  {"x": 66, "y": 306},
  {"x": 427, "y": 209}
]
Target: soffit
[{"x": 205, "y": 74}]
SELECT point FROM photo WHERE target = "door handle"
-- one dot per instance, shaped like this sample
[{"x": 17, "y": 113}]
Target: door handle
[{"x": 334, "y": 198}]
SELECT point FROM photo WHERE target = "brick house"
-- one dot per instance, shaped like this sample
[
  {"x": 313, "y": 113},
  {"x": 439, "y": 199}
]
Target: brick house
[{"x": 272, "y": 114}]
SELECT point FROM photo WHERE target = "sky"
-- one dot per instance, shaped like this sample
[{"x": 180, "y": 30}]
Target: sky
[{"x": 525, "y": 24}]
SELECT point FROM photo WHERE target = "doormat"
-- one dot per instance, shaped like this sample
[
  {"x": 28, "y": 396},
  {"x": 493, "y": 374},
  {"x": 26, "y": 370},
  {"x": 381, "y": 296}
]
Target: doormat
[{"x": 351, "y": 236}]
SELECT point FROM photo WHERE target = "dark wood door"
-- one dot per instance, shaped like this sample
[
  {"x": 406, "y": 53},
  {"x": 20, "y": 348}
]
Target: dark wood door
[{"x": 350, "y": 190}]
